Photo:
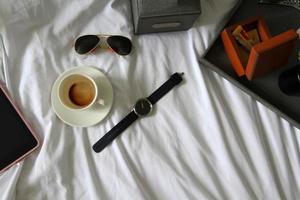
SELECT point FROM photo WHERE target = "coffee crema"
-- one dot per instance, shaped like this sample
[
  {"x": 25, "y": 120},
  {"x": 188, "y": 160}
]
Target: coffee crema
[{"x": 82, "y": 93}]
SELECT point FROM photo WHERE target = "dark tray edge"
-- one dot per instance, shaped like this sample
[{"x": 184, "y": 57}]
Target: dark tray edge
[{"x": 214, "y": 68}]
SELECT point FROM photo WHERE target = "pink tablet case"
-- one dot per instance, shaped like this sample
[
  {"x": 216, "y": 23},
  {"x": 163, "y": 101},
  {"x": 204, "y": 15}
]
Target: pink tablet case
[{"x": 28, "y": 126}]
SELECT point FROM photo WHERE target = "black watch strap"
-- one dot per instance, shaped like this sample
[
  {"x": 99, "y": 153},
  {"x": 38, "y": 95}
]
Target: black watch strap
[
  {"x": 115, "y": 131},
  {"x": 175, "y": 79}
]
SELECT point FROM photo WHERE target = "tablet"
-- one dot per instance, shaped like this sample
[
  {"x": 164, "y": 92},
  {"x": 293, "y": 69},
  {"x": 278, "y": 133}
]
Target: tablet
[{"x": 16, "y": 137}]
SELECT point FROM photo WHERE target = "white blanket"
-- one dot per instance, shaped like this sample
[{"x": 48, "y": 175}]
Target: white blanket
[{"x": 206, "y": 139}]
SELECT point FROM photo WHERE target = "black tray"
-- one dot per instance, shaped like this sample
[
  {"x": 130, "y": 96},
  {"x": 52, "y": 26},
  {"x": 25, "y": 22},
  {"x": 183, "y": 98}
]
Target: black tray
[{"x": 278, "y": 19}]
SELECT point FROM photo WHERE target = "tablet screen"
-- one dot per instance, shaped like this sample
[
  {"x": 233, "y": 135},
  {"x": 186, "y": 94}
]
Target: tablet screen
[{"x": 15, "y": 139}]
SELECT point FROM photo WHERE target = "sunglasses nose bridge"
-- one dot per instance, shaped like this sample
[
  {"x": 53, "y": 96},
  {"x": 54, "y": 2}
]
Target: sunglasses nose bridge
[{"x": 103, "y": 44}]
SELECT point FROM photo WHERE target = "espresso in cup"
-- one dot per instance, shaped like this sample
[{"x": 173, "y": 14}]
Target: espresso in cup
[
  {"x": 78, "y": 91},
  {"x": 82, "y": 93}
]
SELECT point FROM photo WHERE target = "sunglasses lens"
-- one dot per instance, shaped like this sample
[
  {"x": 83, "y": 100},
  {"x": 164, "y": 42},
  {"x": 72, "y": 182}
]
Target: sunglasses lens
[
  {"x": 121, "y": 45},
  {"x": 86, "y": 43}
]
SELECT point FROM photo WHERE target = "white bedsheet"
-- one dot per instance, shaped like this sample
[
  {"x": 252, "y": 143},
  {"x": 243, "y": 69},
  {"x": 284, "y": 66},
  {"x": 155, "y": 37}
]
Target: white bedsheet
[{"x": 206, "y": 139}]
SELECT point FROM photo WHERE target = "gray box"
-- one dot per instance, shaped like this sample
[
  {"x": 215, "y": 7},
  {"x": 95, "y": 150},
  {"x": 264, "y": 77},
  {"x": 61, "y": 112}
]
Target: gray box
[{"x": 151, "y": 16}]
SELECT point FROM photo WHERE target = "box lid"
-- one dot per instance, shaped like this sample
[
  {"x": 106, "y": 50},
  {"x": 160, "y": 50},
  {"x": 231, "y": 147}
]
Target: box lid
[
  {"x": 271, "y": 54},
  {"x": 152, "y": 8}
]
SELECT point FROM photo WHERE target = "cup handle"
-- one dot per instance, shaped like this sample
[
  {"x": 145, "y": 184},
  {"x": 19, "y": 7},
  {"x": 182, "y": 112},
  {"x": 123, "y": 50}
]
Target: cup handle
[{"x": 101, "y": 102}]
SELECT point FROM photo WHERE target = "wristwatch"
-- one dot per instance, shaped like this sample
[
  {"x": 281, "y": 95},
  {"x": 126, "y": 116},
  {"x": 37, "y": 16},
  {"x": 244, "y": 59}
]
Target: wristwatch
[{"x": 142, "y": 107}]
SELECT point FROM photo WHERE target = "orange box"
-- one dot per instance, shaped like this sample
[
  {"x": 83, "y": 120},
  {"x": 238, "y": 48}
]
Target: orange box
[{"x": 271, "y": 53}]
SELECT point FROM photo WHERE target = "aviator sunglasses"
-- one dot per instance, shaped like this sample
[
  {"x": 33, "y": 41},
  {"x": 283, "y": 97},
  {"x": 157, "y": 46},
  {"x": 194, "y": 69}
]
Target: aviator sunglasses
[{"x": 87, "y": 43}]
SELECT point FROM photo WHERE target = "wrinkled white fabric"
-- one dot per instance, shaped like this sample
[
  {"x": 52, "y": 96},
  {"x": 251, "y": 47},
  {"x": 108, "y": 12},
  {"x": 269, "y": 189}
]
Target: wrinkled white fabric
[{"x": 205, "y": 140}]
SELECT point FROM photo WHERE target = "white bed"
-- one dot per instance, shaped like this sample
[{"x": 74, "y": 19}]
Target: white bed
[{"x": 207, "y": 139}]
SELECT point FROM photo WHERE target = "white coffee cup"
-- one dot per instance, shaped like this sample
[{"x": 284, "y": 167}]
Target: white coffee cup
[{"x": 78, "y": 91}]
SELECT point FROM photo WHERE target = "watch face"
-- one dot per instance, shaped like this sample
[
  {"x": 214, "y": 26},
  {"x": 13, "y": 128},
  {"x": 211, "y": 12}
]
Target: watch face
[{"x": 142, "y": 107}]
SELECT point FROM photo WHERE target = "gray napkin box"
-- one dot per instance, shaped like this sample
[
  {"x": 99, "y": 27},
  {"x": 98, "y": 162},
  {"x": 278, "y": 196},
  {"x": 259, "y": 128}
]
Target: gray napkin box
[{"x": 152, "y": 16}]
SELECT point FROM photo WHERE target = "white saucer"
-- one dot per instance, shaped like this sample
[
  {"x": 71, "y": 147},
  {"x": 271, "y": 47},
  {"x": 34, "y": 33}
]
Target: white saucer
[{"x": 90, "y": 116}]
